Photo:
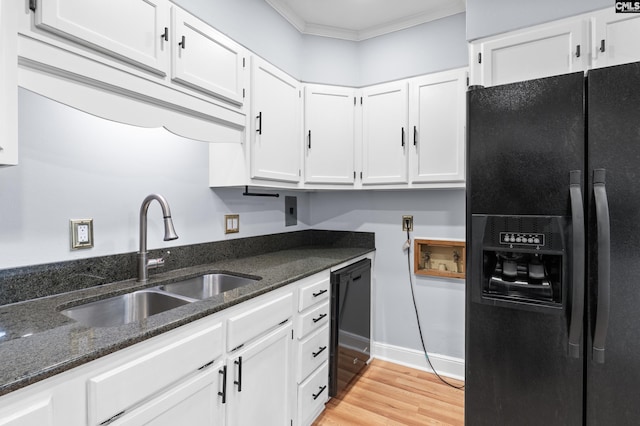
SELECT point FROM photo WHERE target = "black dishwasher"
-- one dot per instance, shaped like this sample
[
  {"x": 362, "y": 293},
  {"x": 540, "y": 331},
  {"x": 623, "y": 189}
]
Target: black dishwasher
[{"x": 350, "y": 324}]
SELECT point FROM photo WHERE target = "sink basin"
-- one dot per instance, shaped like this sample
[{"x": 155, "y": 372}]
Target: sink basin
[
  {"x": 124, "y": 309},
  {"x": 205, "y": 286}
]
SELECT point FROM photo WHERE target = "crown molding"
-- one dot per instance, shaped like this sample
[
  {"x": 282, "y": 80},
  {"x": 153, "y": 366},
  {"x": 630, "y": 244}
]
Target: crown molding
[{"x": 342, "y": 33}]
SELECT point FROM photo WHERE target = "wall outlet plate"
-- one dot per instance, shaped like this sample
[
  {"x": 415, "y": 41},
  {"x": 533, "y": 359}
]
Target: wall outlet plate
[
  {"x": 81, "y": 233},
  {"x": 407, "y": 223}
]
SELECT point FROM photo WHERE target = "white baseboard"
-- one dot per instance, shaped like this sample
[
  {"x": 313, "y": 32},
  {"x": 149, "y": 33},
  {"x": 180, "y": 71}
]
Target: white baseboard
[{"x": 445, "y": 365}]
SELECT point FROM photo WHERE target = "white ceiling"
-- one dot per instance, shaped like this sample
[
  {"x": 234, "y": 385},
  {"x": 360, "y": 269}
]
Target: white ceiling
[{"x": 362, "y": 19}]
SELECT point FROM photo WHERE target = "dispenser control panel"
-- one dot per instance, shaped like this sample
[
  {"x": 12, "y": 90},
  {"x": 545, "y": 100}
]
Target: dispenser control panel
[{"x": 521, "y": 238}]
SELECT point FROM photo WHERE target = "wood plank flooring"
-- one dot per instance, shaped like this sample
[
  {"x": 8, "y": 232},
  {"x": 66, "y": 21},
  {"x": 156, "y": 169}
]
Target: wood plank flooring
[{"x": 390, "y": 394}]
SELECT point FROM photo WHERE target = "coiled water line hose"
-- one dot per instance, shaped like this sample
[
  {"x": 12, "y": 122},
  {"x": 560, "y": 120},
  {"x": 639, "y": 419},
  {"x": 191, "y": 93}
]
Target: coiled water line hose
[{"x": 415, "y": 307}]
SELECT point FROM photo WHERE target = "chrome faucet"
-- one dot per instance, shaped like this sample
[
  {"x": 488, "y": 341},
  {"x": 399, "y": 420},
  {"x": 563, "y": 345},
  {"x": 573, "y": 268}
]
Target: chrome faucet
[{"x": 144, "y": 263}]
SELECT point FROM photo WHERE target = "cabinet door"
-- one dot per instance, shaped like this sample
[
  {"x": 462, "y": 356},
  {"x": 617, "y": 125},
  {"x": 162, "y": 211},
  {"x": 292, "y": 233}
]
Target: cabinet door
[
  {"x": 259, "y": 381},
  {"x": 275, "y": 149},
  {"x": 329, "y": 130},
  {"x": 194, "y": 402},
  {"x": 437, "y": 107},
  {"x": 385, "y": 133},
  {"x": 205, "y": 59},
  {"x": 38, "y": 412},
  {"x": 616, "y": 38},
  {"x": 542, "y": 52},
  {"x": 8, "y": 83},
  {"x": 132, "y": 30}
]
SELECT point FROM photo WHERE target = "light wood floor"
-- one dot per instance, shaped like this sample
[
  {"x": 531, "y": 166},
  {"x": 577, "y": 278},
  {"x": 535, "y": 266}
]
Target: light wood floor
[{"x": 390, "y": 394}]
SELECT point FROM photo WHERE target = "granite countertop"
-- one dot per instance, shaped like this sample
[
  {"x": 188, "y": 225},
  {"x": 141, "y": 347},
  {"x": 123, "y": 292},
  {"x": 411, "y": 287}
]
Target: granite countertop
[{"x": 37, "y": 341}]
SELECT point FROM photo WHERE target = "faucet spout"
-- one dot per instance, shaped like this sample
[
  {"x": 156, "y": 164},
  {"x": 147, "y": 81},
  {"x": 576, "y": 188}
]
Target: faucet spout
[{"x": 144, "y": 264}]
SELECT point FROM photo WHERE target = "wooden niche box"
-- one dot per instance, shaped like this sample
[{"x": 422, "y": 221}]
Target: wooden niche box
[{"x": 439, "y": 258}]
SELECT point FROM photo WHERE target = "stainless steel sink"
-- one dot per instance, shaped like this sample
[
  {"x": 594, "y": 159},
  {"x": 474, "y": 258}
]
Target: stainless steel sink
[
  {"x": 205, "y": 286},
  {"x": 124, "y": 309}
]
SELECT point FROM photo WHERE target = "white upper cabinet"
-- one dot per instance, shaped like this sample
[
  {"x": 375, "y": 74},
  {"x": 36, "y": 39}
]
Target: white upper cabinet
[
  {"x": 385, "y": 133},
  {"x": 275, "y": 123},
  {"x": 616, "y": 38},
  {"x": 437, "y": 109},
  {"x": 205, "y": 59},
  {"x": 8, "y": 84},
  {"x": 542, "y": 51},
  {"x": 132, "y": 30},
  {"x": 329, "y": 117}
]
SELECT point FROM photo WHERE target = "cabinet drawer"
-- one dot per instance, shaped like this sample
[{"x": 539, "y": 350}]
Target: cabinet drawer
[
  {"x": 125, "y": 385},
  {"x": 312, "y": 352},
  {"x": 312, "y": 394},
  {"x": 313, "y": 319},
  {"x": 313, "y": 293},
  {"x": 261, "y": 318}
]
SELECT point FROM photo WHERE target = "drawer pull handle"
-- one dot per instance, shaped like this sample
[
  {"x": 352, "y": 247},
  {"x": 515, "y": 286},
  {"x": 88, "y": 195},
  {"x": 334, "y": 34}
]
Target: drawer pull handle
[
  {"x": 316, "y": 395},
  {"x": 322, "y": 348},
  {"x": 183, "y": 43},
  {"x": 319, "y": 318},
  {"x": 165, "y": 34},
  {"x": 320, "y": 292},
  {"x": 238, "y": 382},
  {"x": 223, "y": 394}
]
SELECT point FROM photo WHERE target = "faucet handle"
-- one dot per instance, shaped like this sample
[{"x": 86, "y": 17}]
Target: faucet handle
[{"x": 157, "y": 262}]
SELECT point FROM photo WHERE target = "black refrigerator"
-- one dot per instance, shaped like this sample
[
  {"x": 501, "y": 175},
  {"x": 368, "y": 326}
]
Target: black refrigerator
[{"x": 553, "y": 251}]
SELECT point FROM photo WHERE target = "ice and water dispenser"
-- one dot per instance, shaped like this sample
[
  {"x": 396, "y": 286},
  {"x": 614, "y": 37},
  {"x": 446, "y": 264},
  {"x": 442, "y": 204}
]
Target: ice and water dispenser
[{"x": 520, "y": 261}]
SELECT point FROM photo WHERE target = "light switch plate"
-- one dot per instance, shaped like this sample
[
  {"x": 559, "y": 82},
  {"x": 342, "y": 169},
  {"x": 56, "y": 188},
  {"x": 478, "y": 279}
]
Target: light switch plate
[
  {"x": 231, "y": 223},
  {"x": 81, "y": 233}
]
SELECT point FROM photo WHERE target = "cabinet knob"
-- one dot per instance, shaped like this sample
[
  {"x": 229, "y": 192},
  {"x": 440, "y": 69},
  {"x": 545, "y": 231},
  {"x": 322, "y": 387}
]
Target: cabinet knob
[
  {"x": 602, "y": 46},
  {"x": 183, "y": 43},
  {"x": 165, "y": 34}
]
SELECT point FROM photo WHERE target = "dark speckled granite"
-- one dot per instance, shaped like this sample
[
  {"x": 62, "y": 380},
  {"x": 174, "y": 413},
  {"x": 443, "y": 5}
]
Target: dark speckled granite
[
  {"x": 32, "y": 282},
  {"x": 36, "y": 341}
]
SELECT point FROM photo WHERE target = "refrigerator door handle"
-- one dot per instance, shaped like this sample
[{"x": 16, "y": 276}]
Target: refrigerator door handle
[
  {"x": 578, "y": 263},
  {"x": 604, "y": 265}
]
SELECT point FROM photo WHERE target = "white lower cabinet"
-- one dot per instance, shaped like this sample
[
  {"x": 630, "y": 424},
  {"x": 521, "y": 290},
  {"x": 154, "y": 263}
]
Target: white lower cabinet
[
  {"x": 150, "y": 376},
  {"x": 38, "y": 411},
  {"x": 194, "y": 402},
  {"x": 242, "y": 366},
  {"x": 312, "y": 346},
  {"x": 313, "y": 394},
  {"x": 258, "y": 387}
]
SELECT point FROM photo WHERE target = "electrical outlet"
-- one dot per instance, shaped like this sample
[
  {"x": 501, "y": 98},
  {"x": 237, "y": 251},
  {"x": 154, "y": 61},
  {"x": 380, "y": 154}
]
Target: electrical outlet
[
  {"x": 81, "y": 231},
  {"x": 407, "y": 223}
]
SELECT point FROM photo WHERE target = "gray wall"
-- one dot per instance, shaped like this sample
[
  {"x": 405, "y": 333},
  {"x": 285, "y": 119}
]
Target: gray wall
[
  {"x": 438, "y": 214},
  {"x": 433, "y": 46},
  {"x": 489, "y": 17},
  {"x": 73, "y": 165},
  {"x": 426, "y": 48}
]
